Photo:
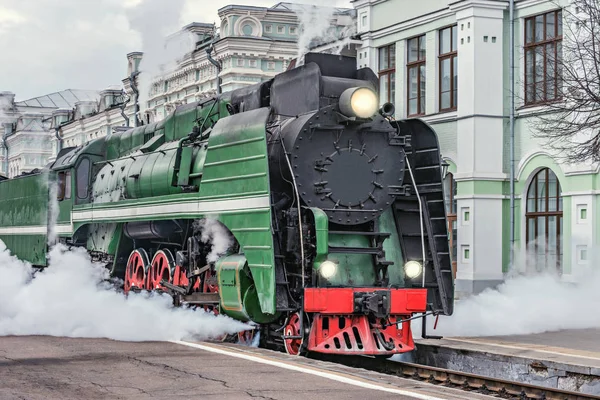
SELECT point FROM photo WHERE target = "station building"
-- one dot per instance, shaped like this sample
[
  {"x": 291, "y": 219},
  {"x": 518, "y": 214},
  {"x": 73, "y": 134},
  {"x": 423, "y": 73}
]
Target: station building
[
  {"x": 252, "y": 44},
  {"x": 448, "y": 63},
  {"x": 26, "y": 127}
]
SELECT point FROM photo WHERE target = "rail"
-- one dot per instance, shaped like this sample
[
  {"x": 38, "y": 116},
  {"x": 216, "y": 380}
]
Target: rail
[{"x": 469, "y": 382}]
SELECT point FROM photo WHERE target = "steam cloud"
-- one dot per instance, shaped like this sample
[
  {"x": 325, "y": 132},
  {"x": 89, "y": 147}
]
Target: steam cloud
[
  {"x": 534, "y": 301},
  {"x": 217, "y": 235},
  {"x": 53, "y": 211},
  {"x": 315, "y": 25},
  {"x": 73, "y": 298},
  {"x": 157, "y": 21}
]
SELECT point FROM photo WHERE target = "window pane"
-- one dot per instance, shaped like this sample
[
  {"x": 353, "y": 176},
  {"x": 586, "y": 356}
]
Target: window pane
[
  {"x": 83, "y": 174},
  {"x": 530, "y": 205},
  {"x": 530, "y": 230},
  {"x": 445, "y": 41},
  {"x": 550, "y": 26},
  {"x": 455, "y": 74},
  {"x": 392, "y": 56},
  {"x": 445, "y": 74},
  {"x": 422, "y": 91},
  {"x": 413, "y": 50},
  {"x": 541, "y": 191},
  {"x": 67, "y": 185},
  {"x": 541, "y": 234},
  {"x": 539, "y": 64},
  {"x": 383, "y": 88},
  {"x": 529, "y": 31},
  {"x": 454, "y": 98},
  {"x": 454, "y": 38},
  {"x": 559, "y": 23},
  {"x": 422, "y": 48},
  {"x": 412, "y": 83},
  {"x": 445, "y": 100},
  {"x": 383, "y": 59},
  {"x": 560, "y": 244},
  {"x": 392, "y": 88},
  {"x": 552, "y": 183},
  {"x": 552, "y": 204},
  {"x": 412, "y": 106},
  {"x": 552, "y": 235},
  {"x": 529, "y": 65},
  {"x": 539, "y": 28}
]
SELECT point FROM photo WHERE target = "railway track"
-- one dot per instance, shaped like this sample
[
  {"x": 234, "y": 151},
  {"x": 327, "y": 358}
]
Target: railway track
[{"x": 463, "y": 380}]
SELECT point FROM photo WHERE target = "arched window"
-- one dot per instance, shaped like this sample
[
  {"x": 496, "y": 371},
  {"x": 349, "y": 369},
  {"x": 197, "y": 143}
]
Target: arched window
[
  {"x": 544, "y": 220},
  {"x": 450, "y": 200}
]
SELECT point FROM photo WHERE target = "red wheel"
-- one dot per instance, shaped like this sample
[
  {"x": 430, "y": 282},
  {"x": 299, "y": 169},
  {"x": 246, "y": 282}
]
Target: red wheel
[
  {"x": 292, "y": 328},
  {"x": 135, "y": 273},
  {"x": 162, "y": 267},
  {"x": 246, "y": 338}
]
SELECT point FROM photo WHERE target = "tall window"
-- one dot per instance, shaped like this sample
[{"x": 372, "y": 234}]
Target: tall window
[
  {"x": 450, "y": 200},
  {"x": 448, "y": 69},
  {"x": 415, "y": 68},
  {"x": 544, "y": 219},
  {"x": 387, "y": 73},
  {"x": 543, "y": 47}
]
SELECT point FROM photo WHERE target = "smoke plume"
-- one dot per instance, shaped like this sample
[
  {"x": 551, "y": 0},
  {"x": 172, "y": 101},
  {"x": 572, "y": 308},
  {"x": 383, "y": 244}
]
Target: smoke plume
[
  {"x": 73, "y": 298},
  {"x": 157, "y": 22},
  {"x": 531, "y": 300}
]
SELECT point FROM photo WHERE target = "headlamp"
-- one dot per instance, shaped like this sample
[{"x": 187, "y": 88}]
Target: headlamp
[
  {"x": 327, "y": 269},
  {"x": 412, "y": 269},
  {"x": 359, "y": 102}
]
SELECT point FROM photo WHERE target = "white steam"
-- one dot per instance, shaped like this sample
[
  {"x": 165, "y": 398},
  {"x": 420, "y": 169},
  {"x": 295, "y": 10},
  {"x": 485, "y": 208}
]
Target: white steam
[
  {"x": 315, "y": 23},
  {"x": 157, "y": 21},
  {"x": 535, "y": 300},
  {"x": 52, "y": 212},
  {"x": 217, "y": 235},
  {"x": 73, "y": 298}
]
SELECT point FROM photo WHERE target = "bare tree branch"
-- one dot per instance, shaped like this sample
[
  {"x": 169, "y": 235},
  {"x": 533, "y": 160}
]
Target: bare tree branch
[{"x": 566, "y": 81}]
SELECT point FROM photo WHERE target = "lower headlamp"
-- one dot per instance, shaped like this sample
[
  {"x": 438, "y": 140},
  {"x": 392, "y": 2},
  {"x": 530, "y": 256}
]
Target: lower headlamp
[
  {"x": 412, "y": 269},
  {"x": 327, "y": 269}
]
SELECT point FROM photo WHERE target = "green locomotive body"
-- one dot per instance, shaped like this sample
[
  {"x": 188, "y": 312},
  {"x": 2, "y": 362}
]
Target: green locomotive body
[{"x": 329, "y": 225}]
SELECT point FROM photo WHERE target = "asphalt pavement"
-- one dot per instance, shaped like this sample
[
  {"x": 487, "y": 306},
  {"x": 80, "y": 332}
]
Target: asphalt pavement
[{"x": 41, "y": 367}]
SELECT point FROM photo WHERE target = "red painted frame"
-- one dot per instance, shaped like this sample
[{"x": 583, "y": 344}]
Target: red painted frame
[{"x": 341, "y": 300}]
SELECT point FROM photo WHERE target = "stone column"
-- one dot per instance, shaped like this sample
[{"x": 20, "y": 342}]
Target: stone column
[{"x": 480, "y": 144}]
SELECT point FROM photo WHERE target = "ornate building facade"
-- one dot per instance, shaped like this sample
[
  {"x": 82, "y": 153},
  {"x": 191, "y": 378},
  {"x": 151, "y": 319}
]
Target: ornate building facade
[
  {"x": 25, "y": 128},
  {"x": 447, "y": 62},
  {"x": 253, "y": 45}
]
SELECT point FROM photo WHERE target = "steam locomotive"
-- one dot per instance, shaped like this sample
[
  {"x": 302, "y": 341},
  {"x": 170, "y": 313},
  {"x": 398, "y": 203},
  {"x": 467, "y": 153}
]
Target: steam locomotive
[{"x": 298, "y": 204}]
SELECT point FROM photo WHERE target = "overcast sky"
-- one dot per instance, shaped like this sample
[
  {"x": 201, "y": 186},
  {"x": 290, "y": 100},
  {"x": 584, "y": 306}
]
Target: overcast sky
[{"x": 51, "y": 45}]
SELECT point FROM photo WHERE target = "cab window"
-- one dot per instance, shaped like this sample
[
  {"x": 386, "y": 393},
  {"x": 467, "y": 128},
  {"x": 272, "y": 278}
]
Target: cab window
[
  {"x": 83, "y": 178},
  {"x": 64, "y": 185}
]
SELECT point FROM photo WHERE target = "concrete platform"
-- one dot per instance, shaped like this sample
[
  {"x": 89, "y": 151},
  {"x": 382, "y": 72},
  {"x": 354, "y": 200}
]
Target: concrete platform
[
  {"x": 41, "y": 367},
  {"x": 567, "y": 359}
]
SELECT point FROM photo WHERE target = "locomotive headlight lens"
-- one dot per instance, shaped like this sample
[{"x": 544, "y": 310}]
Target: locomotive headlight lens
[
  {"x": 359, "y": 102},
  {"x": 412, "y": 269},
  {"x": 327, "y": 269}
]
